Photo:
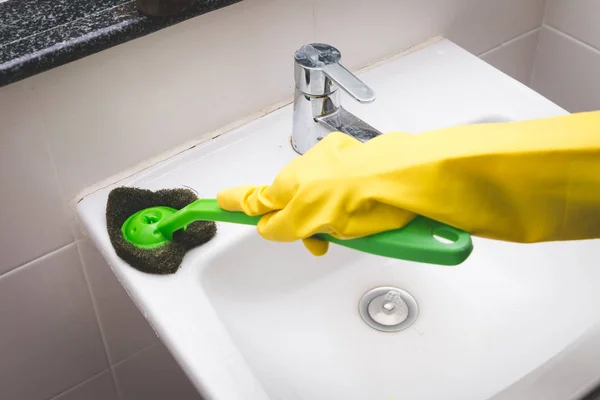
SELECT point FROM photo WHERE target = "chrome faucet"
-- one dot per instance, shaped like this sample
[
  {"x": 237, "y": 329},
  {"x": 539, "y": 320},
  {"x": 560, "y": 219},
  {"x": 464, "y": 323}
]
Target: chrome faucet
[{"x": 317, "y": 107}]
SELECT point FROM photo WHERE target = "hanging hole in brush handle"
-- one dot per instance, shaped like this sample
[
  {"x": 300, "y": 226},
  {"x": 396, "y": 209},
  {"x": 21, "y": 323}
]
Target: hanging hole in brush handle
[{"x": 446, "y": 235}]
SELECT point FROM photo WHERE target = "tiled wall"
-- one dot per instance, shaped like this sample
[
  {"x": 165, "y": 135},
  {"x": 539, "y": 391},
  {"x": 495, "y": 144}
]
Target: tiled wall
[
  {"x": 68, "y": 328},
  {"x": 567, "y": 63}
]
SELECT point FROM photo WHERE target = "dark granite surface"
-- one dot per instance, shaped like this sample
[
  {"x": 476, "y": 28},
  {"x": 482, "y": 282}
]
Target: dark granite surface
[{"x": 37, "y": 35}]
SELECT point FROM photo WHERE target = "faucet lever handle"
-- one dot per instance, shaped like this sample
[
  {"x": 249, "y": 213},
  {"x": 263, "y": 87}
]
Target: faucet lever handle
[
  {"x": 318, "y": 72},
  {"x": 349, "y": 82}
]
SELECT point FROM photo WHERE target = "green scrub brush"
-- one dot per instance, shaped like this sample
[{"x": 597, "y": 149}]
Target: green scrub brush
[{"x": 152, "y": 231}]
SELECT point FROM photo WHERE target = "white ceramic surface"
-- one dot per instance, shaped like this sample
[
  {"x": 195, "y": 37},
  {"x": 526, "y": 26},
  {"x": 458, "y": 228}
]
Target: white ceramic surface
[{"x": 250, "y": 319}]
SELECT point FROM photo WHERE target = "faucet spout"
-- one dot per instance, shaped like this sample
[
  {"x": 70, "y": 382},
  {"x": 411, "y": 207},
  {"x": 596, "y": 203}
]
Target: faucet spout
[{"x": 348, "y": 123}]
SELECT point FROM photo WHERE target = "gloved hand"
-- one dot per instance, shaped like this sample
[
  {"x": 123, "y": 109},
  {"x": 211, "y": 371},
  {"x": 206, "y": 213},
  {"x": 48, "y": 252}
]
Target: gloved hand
[
  {"x": 326, "y": 190},
  {"x": 527, "y": 181}
]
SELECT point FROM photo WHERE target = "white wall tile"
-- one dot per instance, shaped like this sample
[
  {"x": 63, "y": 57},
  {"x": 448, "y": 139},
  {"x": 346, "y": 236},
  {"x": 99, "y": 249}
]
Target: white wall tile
[
  {"x": 100, "y": 387},
  {"x": 487, "y": 23},
  {"x": 32, "y": 216},
  {"x": 567, "y": 72},
  {"x": 515, "y": 58},
  {"x": 578, "y": 18},
  {"x": 49, "y": 340},
  {"x": 125, "y": 329},
  {"x": 114, "y": 109},
  {"x": 366, "y": 31},
  {"x": 153, "y": 374}
]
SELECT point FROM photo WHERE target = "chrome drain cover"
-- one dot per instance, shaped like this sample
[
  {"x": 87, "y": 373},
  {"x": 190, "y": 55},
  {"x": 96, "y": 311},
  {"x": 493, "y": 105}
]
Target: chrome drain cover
[{"x": 388, "y": 309}]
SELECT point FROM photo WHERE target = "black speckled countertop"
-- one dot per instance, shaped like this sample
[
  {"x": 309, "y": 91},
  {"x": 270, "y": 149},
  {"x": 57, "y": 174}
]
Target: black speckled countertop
[{"x": 37, "y": 35}]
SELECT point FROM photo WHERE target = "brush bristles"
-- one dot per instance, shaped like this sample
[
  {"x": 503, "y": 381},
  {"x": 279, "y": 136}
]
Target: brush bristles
[{"x": 126, "y": 201}]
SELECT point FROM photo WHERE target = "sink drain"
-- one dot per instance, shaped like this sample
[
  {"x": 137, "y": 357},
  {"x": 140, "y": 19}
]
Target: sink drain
[{"x": 388, "y": 309}]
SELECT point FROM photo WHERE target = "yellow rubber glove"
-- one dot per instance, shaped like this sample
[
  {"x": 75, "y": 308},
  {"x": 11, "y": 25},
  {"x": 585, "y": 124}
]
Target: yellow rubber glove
[{"x": 527, "y": 181}]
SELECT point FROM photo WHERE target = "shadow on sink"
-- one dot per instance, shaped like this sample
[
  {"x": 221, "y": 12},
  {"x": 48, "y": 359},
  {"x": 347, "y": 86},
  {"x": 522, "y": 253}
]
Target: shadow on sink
[
  {"x": 491, "y": 119},
  {"x": 487, "y": 119},
  {"x": 260, "y": 269}
]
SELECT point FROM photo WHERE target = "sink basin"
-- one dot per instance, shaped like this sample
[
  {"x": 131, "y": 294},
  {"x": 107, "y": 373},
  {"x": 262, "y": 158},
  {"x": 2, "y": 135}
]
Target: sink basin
[{"x": 251, "y": 319}]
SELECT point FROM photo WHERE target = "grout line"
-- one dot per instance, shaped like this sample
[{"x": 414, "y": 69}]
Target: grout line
[
  {"x": 572, "y": 38},
  {"x": 510, "y": 41},
  {"x": 485, "y": 53},
  {"x": 98, "y": 320},
  {"x": 129, "y": 357},
  {"x": 35, "y": 260},
  {"x": 545, "y": 13},
  {"x": 314, "y": 19},
  {"x": 116, "y": 383},
  {"x": 94, "y": 302},
  {"x": 71, "y": 218},
  {"x": 535, "y": 58},
  {"x": 78, "y": 385},
  {"x": 531, "y": 32},
  {"x": 113, "y": 367}
]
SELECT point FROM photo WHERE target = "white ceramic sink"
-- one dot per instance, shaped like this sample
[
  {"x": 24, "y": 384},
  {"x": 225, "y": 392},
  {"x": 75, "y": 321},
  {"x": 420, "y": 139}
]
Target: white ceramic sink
[{"x": 250, "y": 319}]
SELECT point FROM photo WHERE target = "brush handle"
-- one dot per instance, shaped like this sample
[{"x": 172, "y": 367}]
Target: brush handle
[
  {"x": 203, "y": 210},
  {"x": 415, "y": 241}
]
